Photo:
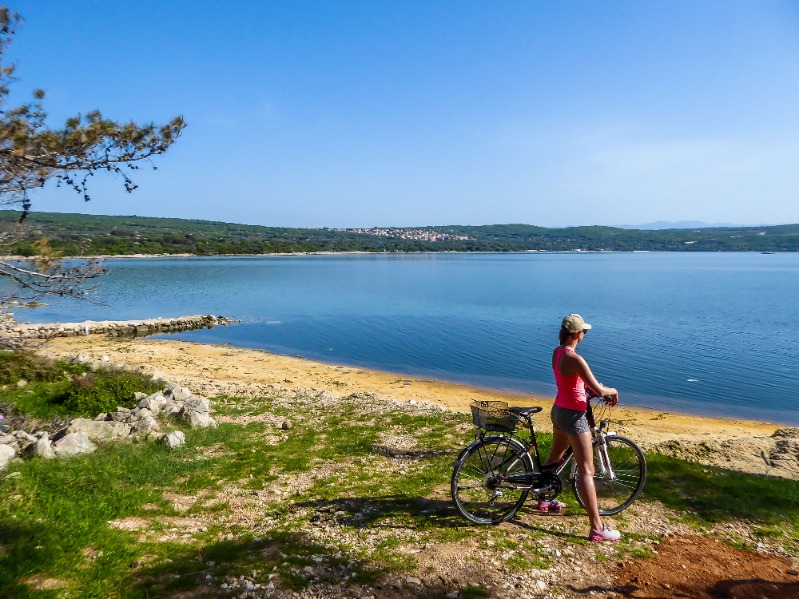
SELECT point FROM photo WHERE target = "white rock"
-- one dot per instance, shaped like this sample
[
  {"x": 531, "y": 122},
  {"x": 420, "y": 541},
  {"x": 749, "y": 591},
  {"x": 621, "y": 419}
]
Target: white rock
[
  {"x": 174, "y": 439},
  {"x": 155, "y": 402},
  {"x": 197, "y": 404},
  {"x": 177, "y": 393},
  {"x": 73, "y": 444},
  {"x": 200, "y": 420},
  {"x": 7, "y": 454},
  {"x": 145, "y": 425},
  {"x": 171, "y": 409},
  {"x": 100, "y": 430},
  {"x": 42, "y": 448},
  {"x": 141, "y": 413}
]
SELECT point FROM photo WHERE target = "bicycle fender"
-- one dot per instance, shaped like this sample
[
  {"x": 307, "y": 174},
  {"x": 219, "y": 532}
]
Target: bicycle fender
[{"x": 468, "y": 448}]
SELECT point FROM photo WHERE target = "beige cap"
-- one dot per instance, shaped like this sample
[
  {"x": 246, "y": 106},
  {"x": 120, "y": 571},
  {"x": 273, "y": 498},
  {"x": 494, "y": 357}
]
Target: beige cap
[{"x": 574, "y": 323}]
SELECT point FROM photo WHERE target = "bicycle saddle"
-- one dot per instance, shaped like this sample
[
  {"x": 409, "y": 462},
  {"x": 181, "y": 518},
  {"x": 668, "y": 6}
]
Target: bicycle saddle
[{"x": 525, "y": 412}]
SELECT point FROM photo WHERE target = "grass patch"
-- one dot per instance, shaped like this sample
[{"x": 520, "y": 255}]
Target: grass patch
[
  {"x": 716, "y": 495},
  {"x": 16, "y": 365},
  {"x": 41, "y": 388}
]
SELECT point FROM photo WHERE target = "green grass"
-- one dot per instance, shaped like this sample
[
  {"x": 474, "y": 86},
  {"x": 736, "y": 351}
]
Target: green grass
[
  {"x": 25, "y": 365},
  {"x": 54, "y": 517},
  {"x": 715, "y": 495}
]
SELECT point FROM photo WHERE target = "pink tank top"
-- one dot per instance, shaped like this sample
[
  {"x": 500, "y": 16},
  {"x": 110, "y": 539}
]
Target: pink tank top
[{"x": 571, "y": 389}]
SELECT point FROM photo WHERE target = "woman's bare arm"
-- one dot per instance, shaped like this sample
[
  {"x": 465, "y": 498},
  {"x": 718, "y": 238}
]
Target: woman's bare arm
[{"x": 582, "y": 368}]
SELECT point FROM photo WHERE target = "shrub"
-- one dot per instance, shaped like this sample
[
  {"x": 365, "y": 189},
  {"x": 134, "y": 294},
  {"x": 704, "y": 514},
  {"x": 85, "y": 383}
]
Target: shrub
[
  {"x": 23, "y": 364},
  {"x": 105, "y": 390}
]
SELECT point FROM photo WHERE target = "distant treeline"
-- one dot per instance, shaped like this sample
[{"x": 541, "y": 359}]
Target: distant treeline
[{"x": 86, "y": 235}]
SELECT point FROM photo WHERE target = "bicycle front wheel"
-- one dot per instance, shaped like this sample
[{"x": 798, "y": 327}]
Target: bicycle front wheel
[
  {"x": 491, "y": 480},
  {"x": 619, "y": 483}
]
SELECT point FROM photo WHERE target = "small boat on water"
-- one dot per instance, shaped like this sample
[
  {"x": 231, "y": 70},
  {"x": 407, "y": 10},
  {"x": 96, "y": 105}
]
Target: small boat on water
[{"x": 766, "y": 252}]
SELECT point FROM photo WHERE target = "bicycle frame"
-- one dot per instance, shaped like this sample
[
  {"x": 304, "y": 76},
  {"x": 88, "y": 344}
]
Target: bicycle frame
[{"x": 526, "y": 482}]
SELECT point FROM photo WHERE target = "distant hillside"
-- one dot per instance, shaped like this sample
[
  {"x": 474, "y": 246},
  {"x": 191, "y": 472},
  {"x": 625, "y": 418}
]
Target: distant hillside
[
  {"x": 81, "y": 234},
  {"x": 681, "y": 224}
]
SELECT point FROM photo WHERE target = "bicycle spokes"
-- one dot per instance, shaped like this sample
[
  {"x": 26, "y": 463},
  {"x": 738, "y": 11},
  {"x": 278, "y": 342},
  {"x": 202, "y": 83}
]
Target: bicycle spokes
[
  {"x": 484, "y": 483},
  {"x": 619, "y": 475}
]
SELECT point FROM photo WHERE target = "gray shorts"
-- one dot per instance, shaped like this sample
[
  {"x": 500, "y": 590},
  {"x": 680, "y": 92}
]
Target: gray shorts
[{"x": 571, "y": 422}]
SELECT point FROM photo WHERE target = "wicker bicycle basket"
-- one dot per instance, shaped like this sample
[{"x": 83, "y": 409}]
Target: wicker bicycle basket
[{"x": 494, "y": 416}]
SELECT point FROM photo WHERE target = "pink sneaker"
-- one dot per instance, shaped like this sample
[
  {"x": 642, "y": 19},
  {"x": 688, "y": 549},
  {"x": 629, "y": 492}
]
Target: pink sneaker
[
  {"x": 551, "y": 505},
  {"x": 606, "y": 534}
]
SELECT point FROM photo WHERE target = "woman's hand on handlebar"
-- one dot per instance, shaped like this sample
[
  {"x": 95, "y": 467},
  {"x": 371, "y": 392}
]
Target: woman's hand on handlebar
[{"x": 610, "y": 395}]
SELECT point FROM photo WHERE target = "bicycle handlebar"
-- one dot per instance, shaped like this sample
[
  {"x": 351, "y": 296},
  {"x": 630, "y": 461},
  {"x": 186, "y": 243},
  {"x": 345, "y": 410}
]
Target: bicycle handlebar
[{"x": 609, "y": 400}]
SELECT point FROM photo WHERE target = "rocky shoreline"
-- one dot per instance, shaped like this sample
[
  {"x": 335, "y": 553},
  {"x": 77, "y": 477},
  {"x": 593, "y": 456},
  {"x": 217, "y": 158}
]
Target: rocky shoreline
[{"x": 19, "y": 333}]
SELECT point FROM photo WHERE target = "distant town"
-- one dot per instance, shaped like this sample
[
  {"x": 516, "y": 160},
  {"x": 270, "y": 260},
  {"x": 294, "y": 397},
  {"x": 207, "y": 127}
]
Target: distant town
[{"x": 414, "y": 234}]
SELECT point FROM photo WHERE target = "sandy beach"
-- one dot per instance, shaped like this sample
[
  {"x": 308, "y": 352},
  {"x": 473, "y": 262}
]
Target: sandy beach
[{"x": 218, "y": 369}]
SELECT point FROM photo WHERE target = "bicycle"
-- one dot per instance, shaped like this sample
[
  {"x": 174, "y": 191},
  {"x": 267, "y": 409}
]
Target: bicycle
[{"x": 494, "y": 475}]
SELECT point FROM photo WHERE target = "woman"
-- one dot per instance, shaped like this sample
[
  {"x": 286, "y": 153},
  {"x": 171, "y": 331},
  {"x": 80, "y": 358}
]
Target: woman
[{"x": 570, "y": 424}]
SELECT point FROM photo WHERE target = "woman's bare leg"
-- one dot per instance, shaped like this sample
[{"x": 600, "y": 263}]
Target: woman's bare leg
[
  {"x": 560, "y": 441},
  {"x": 584, "y": 458}
]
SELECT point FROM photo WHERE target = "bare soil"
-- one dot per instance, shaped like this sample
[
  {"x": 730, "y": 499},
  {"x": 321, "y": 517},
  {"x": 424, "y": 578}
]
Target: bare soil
[{"x": 698, "y": 567}]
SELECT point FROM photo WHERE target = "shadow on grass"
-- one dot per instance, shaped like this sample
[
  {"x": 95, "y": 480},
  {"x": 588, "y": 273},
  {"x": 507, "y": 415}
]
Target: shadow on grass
[
  {"x": 20, "y": 557},
  {"x": 412, "y": 513},
  {"x": 386, "y": 511},
  {"x": 281, "y": 562},
  {"x": 716, "y": 494}
]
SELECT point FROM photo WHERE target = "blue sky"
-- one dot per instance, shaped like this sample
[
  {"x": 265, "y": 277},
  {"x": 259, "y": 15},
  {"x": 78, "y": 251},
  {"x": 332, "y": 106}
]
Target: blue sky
[{"x": 360, "y": 114}]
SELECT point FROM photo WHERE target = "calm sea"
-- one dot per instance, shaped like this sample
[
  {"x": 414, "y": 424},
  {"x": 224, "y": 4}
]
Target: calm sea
[{"x": 705, "y": 333}]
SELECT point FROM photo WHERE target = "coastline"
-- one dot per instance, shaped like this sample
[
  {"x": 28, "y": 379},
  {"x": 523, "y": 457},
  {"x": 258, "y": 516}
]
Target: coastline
[{"x": 220, "y": 369}]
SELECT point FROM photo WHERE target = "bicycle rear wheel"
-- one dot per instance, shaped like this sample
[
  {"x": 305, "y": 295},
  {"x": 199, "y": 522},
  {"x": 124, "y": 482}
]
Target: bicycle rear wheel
[
  {"x": 617, "y": 493},
  {"x": 491, "y": 480}
]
